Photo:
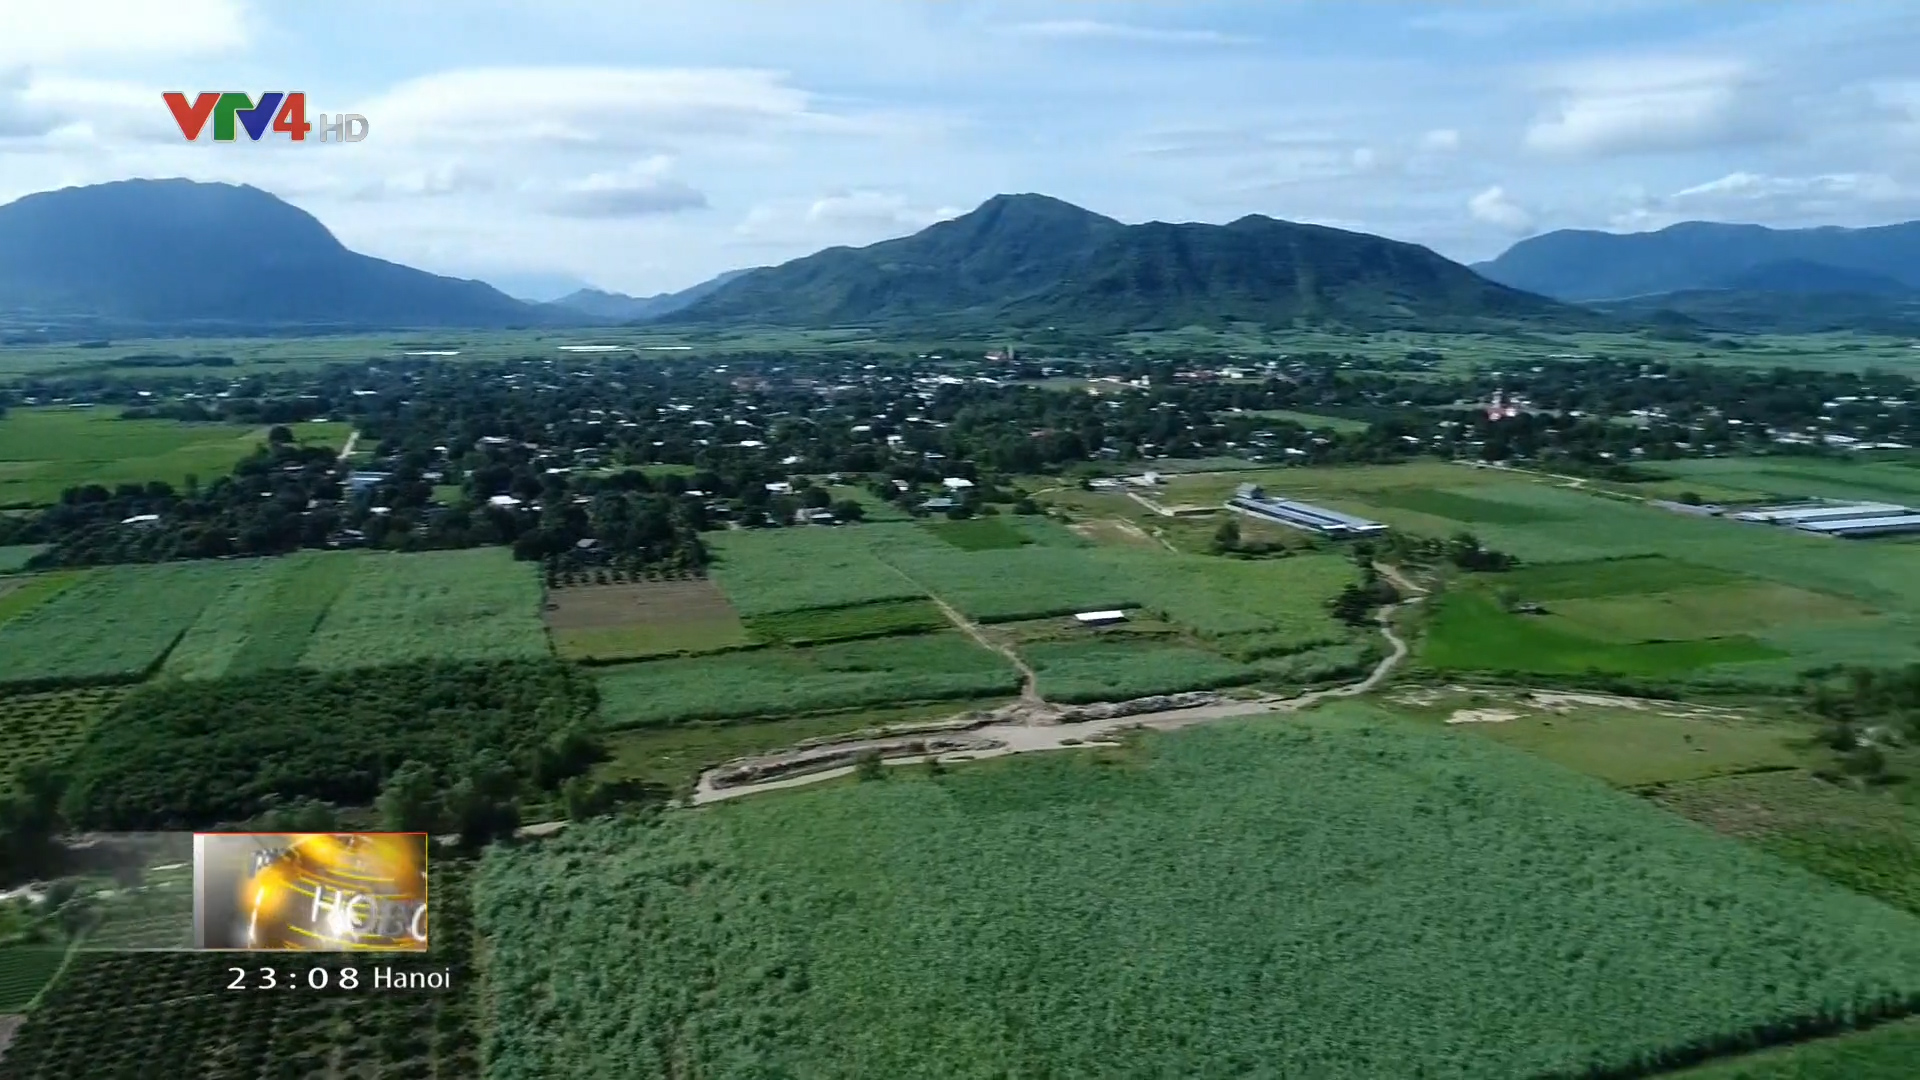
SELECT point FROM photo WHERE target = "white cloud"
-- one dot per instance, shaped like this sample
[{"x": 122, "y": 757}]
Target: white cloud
[
  {"x": 1633, "y": 105},
  {"x": 641, "y": 189},
  {"x": 1440, "y": 140},
  {"x": 1094, "y": 30},
  {"x": 1829, "y": 198},
  {"x": 1494, "y": 207},
  {"x": 853, "y": 216},
  {"x": 646, "y": 109},
  {"x": 452, "y": 178},
  {"x": 46, "y": 33}
]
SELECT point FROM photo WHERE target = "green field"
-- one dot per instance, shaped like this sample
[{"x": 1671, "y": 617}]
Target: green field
[
  {"x": 263, "y": 616},
  {"x": 769, "y": 571},
  {"x": 847, "y": 623},
  {"x": 1783, "y": 478},
  {"x": 1030, "y": 582},
  {"x": 782, "y": 681},
  {"x": 14, "y": 557},
  {"x": 47, "y": 450},
  {"x": 978, "y": 534},
  {"x": 1310, "y": 421},
  {"x": 1335, "y": 896},
  {"x": 1116, "y": 669},
  {"x": 1884, "y": 1053},
  {"x": 477, "y": 604},
  {"x": 114, "y": 624},
  {"x": 22, "y": 594},
  {"x": 1467, "y": 630},
  {"x": 24, "y": 969}
]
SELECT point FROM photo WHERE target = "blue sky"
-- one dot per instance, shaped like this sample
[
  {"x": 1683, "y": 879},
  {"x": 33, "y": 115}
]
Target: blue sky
[{"x": 646, "y": 146}]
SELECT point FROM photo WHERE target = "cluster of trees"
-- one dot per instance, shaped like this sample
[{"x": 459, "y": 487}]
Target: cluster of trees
[
  {"x": 1463, "y": 549},
  {"x": 190, "y": 755},
  {"x": 1865, "y": 709}
]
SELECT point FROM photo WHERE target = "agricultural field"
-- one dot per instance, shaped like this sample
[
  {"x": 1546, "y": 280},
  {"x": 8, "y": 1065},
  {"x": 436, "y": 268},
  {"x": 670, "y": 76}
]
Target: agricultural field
[
  {"x": 1652, "y": 616},
  {"x": 1029, "y": 582},
  {"x": 28, "y": 591},
  {"x": 785, "y": 681},
  {"x": 24, "y": 970},
  {"x": 47, "y": 727},
  {"x": 262, "y": 615},
  {"x": 626, "y": 622},
  {"x": 1310, "y": 421},
  {"x": 477, "y": 604},
  {"x": 45, "y": 451},
  {"x": 1865, "y": 840},
  {"x": 848, "y": 623},
  {"x": 113, "y": 624},
  {"x": 1116, "y": 669},
  {"x": 770, "y": 571},
  {"x": 1784, "y": 478},
  {"x": 1141, "y": 927},
  {"x": 978, "y": 534}
]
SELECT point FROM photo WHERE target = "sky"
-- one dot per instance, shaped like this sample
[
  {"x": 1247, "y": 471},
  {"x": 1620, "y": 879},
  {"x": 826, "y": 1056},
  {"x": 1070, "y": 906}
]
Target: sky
[{"x": 643, "y": 147}]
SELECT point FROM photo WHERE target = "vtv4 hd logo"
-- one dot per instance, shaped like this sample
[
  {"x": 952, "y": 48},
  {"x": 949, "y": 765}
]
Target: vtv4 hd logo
[{"x": 285, "y": 111}]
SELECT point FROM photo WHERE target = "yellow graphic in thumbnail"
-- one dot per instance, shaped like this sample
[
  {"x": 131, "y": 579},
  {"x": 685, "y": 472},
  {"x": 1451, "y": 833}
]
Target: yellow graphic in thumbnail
[{"x": 356, "y": 891}]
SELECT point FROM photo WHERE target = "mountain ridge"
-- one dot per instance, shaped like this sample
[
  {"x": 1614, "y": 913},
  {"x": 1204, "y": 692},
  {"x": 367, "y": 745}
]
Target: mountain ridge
[
  {"x": 1029, "y": 259},
  {"x": 176, "y": 252},
  {"x": 1588, "y": 265}
]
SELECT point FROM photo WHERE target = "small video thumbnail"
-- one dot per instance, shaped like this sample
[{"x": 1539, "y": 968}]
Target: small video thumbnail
[{"x": 310, "y": 892}]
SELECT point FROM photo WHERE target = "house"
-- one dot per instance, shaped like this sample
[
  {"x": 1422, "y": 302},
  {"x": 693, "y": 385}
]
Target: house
[
  {"x": 504, "y": 502},
  {"x": 1100, "y": 618},
  {"x": 359, "y": 482},
  {"x": 141, "y": 520},
  {"x": 779, "y": 487},
  {"x": 956, "y": 483},
  {"x": 941, "y": 503},
  {"x": 814, "y": 517}
]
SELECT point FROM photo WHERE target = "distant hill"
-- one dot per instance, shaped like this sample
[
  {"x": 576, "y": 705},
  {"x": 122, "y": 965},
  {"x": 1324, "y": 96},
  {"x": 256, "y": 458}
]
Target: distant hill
[
  {"x": 1773, "y": 312},
  {"x": 613, "y": 307},
  {"x": 1031, "y": 260},
  {"x": 1585, "y": 265},
  {"x": 1806, "y": 276},
  {"x": 175, "y": 254}
]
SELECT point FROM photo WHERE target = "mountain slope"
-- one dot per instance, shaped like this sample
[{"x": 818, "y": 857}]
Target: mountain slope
[
  {"x": 1806, "y": 276},
  {"x": 1585, "y": 265},
  {"x": 613, "y": 307},
  {"x": 1034, "y": 260},
  {"x": 171, "y": 253}
]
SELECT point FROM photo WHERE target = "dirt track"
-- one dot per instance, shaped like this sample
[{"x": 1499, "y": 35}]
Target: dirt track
[{"x": 1013, "y": 737}]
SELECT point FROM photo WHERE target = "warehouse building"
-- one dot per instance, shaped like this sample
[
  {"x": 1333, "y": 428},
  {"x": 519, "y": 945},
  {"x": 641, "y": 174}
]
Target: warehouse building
[
  {"x": 1252, "y": 500},
  {"x": 1888, "y": 525},
  {"x": 1805, "y": 515}
]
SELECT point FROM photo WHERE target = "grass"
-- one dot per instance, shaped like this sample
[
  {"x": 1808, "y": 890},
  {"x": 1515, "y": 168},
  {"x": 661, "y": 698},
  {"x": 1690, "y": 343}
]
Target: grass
[
  {"x": 786, "y": 682},
  {"x": 22, "y": 595},
  {"x": 1691, "y": 614},
  {"x": 978, "y": 534},
  {"x": 477, "y": 604},
  {"x": 1109, "y": 669},
  {"x": 13, "y": 557},
  {"x": 673, "y": 757},
  {"x": 1458, "y": 505},
  {"x": 1251, "y": 898},
  {"x": 1803, "y": 477},
  {"x": 44, "y": 451},
  {"x": 1651, "y": 745},
  {"x": 1030, "y": 582},
  {"x": 1884, "y": 1053},
  {"x": 770, "y": 571},
  {"x": 1468, "y": 631},
  {"x": 1598, "y": 578},
  {"x": 1311, "y": 421},
  {"x": 114, "y": 624},
  {"x": 847, "y": 623},
  {"x": 1865, "y": 840}
]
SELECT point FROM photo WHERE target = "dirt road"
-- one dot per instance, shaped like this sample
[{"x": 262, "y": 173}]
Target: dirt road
[
  {"x": 347, "y": 450},
  {"x": 1025, "y": 738}
]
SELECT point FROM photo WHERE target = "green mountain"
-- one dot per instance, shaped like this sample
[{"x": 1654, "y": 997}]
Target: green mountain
[
  {"x": 178, "y": 255},
  {"x": 613, "y": 307},
  {"x": 1031, "y": 260},
  {"x": 1576, "y": 264},
  {"x": 1754, "y": 311}
]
